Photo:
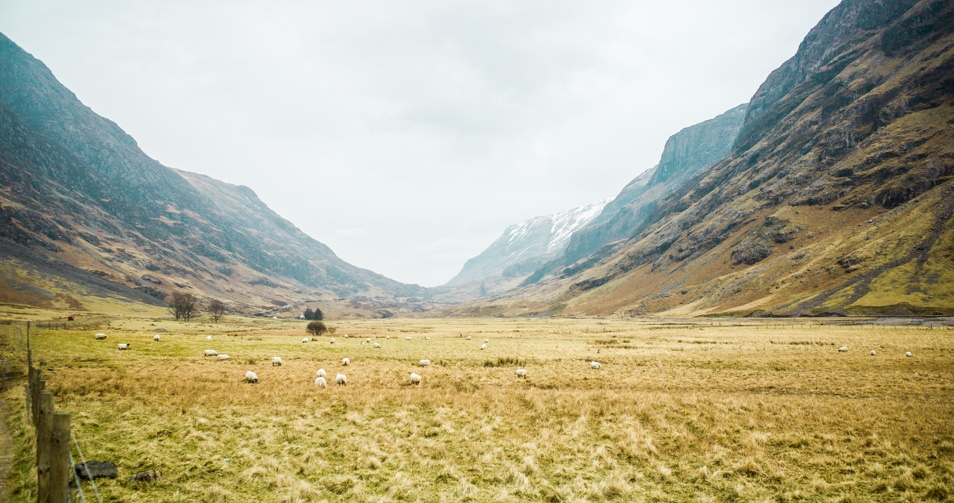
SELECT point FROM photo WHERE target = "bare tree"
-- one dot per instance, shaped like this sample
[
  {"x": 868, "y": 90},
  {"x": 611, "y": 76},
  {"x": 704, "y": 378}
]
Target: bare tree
[
  {"x": 182, "y": 305},
  {"x": 316, "y": 328},
  {"x": 216, "y": 309}
]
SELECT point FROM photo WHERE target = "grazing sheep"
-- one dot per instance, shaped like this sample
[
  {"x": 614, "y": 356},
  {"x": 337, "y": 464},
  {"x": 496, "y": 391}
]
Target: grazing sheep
[
  {"x": 486, "y": 341},
  {"x": 407, "y": 338},
  {"x": 368, "y": 340},
  {"x": 320, "y": 373},
  {"x": 415, "y": 379},
  {"x": 346, "y": 336},
  {"x": 251, "y": 377},
  {"x": 304, "y": 340},
  {"x": 521, "y": 373},
  {"x": 321, "y": 382},
  {"x": 155, "y": 337},
  {"x": 595, "y": 365},
  {"x": 224, "y": 357},
  {"x": 125, "y": 345},
  {"x": 872, "y": 353},
  {"x": 332, "y": 340},
  {"x": 427, "y": 337},
  {"x": 908, "y": 354},
  {"x": 210, "y": 352},
  {"x": 208, "y": 337},
  {"x": 387, "y": 337},
  {"x": 483, "y": 347},
  {"x": 276, "y": 361},
  {"x": 467, "y": 338},
  {"x": 843, "y": 349},
  {"x": 377, "y": 346},
  {"x": 100, "y": 336},
  {"x": 424, "y": 363},
  {"x": 345, "y": 362},
  {"x": 341, "y": 380}
]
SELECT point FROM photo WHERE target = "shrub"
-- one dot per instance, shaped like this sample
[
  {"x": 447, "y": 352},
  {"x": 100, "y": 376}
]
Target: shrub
[{"x": 316, "y": 328}]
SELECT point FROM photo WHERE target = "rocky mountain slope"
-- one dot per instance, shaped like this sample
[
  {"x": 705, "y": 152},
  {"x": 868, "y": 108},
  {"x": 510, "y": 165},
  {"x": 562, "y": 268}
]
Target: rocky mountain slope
[
  {"x": 520, "y": 250},
  {"x": 837, "y": 196},
  {"x": 84, "y": 214},
  {"x": 685, "y": 154}
]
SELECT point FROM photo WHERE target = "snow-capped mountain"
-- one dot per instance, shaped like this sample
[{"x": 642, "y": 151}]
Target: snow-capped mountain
[{"x": 522, "y": 248}]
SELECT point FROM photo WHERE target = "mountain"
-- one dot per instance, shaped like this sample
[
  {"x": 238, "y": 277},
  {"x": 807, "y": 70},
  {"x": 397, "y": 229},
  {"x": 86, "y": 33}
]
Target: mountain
[
  {"x": 85, "y": 214},
  {"x": 521, "y": 249},
  {"x": 685, "y": 154},
  {"x": 837, "y": 196}
]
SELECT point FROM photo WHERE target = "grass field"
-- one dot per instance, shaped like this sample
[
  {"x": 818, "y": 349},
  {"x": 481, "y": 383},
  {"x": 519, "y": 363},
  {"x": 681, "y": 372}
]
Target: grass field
[{"x": 727, "y": 410}]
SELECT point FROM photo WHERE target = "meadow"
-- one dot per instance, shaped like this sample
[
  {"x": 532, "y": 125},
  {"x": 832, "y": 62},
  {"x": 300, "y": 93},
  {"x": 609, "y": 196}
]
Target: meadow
[{"x": 710, "y": 410}]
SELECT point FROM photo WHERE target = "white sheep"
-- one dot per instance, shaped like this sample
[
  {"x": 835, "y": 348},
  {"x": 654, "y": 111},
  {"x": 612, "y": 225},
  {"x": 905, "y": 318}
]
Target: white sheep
[
  {"x": 377, "y": 346},
  {"x": 321, "y": 382},
  {"x": 320, "y": 373},
  {"x": 486, "y": 341},
  {"x": 332, "y": 340},
  {"x": 427, "y": 337},
  {"x": 387, "y": 337},
  {"x": 346, "y": 336},
  {"x": 520, "y": 373},
  {"x": 345, "y": 362},
  {"x": 210, "y": 352},
  {"x": 251, "y": 377},
  {"x": 224, "y": 357},
  {"x": 843, "y": 349},
  {"x": 368, "y": 340},
  {"x": 483, "y": 347},
  {"x": 123, "y": 346},
  {"x": 276, "y": 361},
  {"x": 415, "y": 379},
  {"x": 305, "y": 340},
  {"x": 424, "y": 363},
  {"x": 908, "y": 354},
  {"x": 155, "y": 337},
  {"x": 467, "y": 338},
  {"x": 595, "y": 365},
  {"x": 100, "y": 336},
  {"x": 872, "y": 353},
  {"x": 407, "y": 338},
  {"x": 341, "y": 379},
  {"x": 208, "y": 337}
]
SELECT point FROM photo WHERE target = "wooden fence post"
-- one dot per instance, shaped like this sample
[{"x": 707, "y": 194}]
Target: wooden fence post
[
  {"x": 60, "y": 467},
  {"x": 44, "y": 445}
]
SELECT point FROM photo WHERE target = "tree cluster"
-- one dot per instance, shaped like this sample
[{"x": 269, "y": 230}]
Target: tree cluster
[
  {"x": 183, "y": 305},
  {"x": 314, "y": 315}
]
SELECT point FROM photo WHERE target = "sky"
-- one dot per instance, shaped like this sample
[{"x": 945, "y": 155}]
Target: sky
[{"x": 408, "y": 135}]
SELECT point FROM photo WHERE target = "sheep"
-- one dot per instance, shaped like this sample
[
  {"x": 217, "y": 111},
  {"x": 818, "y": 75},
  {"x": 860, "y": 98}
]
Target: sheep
[
  {"x": 872, "y": 353},
  {"x": 595, "y": 365},
  {"x": 415, "y": 378},
  {"x": 100, "y": 336},
  {"x": 427, "y": 337},
  {"x": 123, "y": 346},
  {"x": 467, "y": 338},
  {"x": 304, "y": 340},
  {"x": 407, "y": 338},
  {"x": 486, "y": 341},
  {"x": 347, "y": 336},
  {"x": 377, "y": 346},
  {"x": 208, "y": 337},
  {"x": 368, "y": 340},
  {"x": 251, "y": 377},
  {"x": 345, "y": 362},
  {"x": 341, "y": 380},
  {"x": 224, "y": 357},
  {"x": 424, "y": 363},
  {"x": 320, "y": 373},
  {"x": 387, "y": 337},
  {"x": 332, "y": 340},
  {"x": 155, "y": 337},
  {"x": 321, "y": 382},
  {"x": 210, "y": 352},
  {"x": 843, "y": 349},
  {"x": 276, "y": 361},
  {"x": 483, "y": 347},
  {"x": 908, "y": 354},
  {"x": 521, "y": 373}
]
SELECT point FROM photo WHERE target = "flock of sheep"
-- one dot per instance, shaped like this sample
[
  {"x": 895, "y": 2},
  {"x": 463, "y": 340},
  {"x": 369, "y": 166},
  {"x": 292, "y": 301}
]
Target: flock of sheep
[
  {"x": 320, "y": 377},
  {"x": 341, "y": 379}
]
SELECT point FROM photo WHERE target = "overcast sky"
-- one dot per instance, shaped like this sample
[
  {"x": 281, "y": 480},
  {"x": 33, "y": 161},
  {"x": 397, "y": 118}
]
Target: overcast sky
[{"x": 407, "y": 135}]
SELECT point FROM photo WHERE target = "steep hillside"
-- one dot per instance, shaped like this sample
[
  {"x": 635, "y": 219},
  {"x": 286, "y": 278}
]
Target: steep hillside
[
  {"x": 686, "y": 153},
  {"x": 85, "y": 213},
  {"x": 837, "y": 197},
  {"x": 520, "y": 250}
]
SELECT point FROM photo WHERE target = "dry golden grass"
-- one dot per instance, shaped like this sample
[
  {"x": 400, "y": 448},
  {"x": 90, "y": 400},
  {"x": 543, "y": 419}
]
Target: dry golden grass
[{"x": 696, "y": 411}]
